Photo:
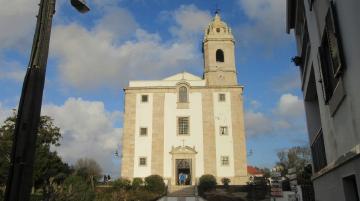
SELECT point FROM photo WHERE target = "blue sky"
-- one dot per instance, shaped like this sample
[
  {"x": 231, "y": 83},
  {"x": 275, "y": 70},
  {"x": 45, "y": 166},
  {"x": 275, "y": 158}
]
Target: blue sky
[{"x": 93, "y": 56}]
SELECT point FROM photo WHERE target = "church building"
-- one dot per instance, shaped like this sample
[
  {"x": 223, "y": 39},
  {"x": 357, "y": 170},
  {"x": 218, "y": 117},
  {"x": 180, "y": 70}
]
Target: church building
[{"x": 188, "y": 125}]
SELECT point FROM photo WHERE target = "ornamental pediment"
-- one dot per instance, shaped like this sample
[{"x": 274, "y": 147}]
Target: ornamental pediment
[{"x": 183, "y": 150}]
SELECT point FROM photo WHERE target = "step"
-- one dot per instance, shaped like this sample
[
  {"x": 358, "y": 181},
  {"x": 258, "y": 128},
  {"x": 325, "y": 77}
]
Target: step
[{"x": 181, "y": 191}]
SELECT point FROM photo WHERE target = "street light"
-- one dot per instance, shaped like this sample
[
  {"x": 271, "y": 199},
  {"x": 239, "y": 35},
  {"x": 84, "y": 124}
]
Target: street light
[
  {"x": 19, "y": 181},
  {"x": 80, "y": 5}
]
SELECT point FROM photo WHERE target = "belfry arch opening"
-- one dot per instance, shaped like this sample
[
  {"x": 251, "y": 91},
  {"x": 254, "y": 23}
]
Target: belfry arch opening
[{"x": 219, "y": 55}]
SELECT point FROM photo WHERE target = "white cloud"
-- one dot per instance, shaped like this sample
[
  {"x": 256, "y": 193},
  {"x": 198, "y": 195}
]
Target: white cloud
[
  {"x": 98, "y": 55},
  {"x": 287, "y": 82},
  {"x": 12, "y": 70},
  {"x": 290, "y": 106},
  {"x": 111, "y": 23},
  {"x": 257, "y": 123},
  {"x": 267, "y": 21},
  {"x": 190, "y": 22},
  {"x": 287, "y": 117},
  {"x": 17, "y": 20},
  {"x": 88, "y": 131},
  {"x": 255, "y": 104}
]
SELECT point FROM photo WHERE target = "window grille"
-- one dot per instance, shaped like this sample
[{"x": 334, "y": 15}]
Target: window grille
[
  {"x": 223, "y": 130},
  {"x": 183, "y": 125},
  {"x": 222, "y": 97},
  {"x": 318, "y": 152},
  {"x": 143, "y": 131},
  {"x": 144, "y": 98},
  {"x": 224, "y": 160},
  {"x": 142, "y": 161}
]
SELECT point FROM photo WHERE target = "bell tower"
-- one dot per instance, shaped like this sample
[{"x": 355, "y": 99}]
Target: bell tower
[{"x": 219, "y": 54}]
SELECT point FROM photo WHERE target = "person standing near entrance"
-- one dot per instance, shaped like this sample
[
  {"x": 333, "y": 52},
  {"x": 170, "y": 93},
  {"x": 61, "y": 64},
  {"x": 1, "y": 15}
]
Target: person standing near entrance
[{"x": 182, "y": 178}]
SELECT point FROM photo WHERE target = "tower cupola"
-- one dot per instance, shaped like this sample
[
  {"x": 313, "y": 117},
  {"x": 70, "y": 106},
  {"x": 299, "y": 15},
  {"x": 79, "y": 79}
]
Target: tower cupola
[{"x": 217, "y": 28}]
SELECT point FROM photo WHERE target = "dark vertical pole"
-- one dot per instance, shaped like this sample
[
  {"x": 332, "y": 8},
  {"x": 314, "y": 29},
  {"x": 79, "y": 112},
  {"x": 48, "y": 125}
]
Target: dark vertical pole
[{"x": 20, "y": 179}]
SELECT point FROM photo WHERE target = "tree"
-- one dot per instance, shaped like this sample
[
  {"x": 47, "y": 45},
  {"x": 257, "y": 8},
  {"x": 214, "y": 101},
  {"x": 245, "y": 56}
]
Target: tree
[
  {"x": 298, "y": 158},
  {"x": 75, "y": 188},
  {"x": 47, "y": 163},
  {"x": 265, "y": 171},
  {"x": 89, "y": 169}
]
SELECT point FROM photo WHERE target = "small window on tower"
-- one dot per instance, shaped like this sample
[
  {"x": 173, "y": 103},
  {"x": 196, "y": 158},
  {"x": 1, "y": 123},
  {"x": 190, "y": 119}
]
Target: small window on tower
[
  {"x": 219, "y": 55},
  {"x": 218, "y": 30}
]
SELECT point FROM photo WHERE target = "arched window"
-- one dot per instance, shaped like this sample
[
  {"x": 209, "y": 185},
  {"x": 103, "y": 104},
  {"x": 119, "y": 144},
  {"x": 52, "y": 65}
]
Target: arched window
[
  {"x": 219, "y": 55},
  {"x": 183, "y": 96}
]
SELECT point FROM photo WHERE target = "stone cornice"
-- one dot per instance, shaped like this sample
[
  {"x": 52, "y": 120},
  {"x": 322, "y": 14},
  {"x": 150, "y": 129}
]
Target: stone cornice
[
  {"x": 350, "y": 155},
  {"x": 191, "y": 87}
]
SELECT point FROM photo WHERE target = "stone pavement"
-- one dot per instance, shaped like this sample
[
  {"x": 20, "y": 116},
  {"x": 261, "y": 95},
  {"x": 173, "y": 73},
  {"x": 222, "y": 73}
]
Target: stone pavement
[{"x": 197, "y": 198}]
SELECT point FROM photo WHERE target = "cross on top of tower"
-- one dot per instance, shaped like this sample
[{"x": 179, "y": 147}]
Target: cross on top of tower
[{"x": 217, "y": 9}]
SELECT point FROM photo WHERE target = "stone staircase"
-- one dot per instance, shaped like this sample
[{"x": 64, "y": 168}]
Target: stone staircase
[{"x": 181, "y": 191}]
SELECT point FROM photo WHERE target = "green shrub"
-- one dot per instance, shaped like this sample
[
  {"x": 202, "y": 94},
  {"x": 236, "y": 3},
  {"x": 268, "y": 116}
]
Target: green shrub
[
  {"x": 122, "y": 184},
  {"x": 155, "y": 183},
  {"x": 207, "y": 182},
  {"x": 76, "y": 188},
  {"x": 225, "y": 181},
  {"x": 137, "y": 183}
]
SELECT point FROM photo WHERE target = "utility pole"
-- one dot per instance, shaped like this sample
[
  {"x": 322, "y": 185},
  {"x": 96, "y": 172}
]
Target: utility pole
[{"x": 20, "y": 180}]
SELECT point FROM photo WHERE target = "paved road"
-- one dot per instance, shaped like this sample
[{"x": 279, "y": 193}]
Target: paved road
[{"x": 181, "y": 199}]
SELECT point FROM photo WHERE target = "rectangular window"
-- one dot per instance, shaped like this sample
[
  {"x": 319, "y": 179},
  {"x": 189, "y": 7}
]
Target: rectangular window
[
  {"x": 350, "y": 188},
  {"x": 221, "y": 97},
  {"x": 330, "y": 53},
  {"x": 142, "y": 161},
  {"x": 302, "y": 35},
  {"x": 318, "y": 152},
  {"x": 143, "y": 131},
  {"x": 225, "y": 160},
  {"x": 144, "y": 98},
  {"x": 223, "y": 130},
  {"x": 183, "y": 125}
]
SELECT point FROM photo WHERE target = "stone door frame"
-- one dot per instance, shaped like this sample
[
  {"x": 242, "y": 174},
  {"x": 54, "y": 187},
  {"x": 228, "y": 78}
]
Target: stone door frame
[{"x": 183, "y": 152}]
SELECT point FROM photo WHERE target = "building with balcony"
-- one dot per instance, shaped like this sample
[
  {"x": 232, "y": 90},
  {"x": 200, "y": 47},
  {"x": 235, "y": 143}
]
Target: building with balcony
[{"x": 327, "y": 36}]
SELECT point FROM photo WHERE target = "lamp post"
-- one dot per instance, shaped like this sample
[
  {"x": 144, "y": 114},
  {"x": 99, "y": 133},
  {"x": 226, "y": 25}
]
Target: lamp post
[{"x": 19, "y": 181}]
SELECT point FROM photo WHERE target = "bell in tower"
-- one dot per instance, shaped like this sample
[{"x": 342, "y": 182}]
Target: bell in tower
[{"x": 219, "y": 54}]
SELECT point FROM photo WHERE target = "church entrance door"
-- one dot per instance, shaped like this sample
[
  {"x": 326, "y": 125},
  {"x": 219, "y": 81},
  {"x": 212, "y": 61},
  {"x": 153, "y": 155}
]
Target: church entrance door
[
  {"x": 183, "y": 172},
  {"x": 183, "y": 165}
]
